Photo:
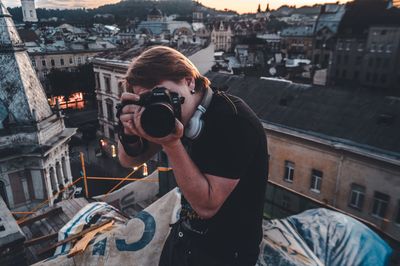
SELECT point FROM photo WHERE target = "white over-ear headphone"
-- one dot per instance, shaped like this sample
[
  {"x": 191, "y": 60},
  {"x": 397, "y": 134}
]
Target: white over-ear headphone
[{"x": 195, "y": 124}]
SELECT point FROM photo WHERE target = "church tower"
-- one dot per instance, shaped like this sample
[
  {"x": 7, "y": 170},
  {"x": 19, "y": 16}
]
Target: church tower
[
  {"x": 29, "y": 11},
  {"x": 34, "y": 154},
  {"x": 198, "y": 15}
]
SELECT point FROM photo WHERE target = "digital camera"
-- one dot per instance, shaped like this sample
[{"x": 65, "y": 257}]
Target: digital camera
[{"x": 162, "y": 107}]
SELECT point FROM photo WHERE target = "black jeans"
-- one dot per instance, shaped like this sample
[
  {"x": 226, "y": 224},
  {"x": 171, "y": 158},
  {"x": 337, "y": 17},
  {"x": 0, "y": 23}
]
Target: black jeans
[{"x": 182, "y": 248}]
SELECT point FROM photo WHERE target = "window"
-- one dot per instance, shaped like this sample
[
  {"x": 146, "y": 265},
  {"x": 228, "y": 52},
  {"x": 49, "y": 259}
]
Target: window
[
  {"x": 348, "y": 45},
  {"x": 79, "y": 60},
  {"x": 316, "y": 180},
  {"x": 375, "y": 78},
  {"x": 381, "y": 202},
  {"x": 97, "y": 80},
  {"x": 397, "y": 220},
  {"x": 107, "y": 83},
  {"x": 53, "y": 63},
  {"x": 346, "y": 59},
  {"x": 339, "y": 59},
  {"x": 110, "y": 111},
  {"x": 120, "y": 87},
  {"x": 383, "y": 78},
  {"x": 289, "y": 171},
  {"x": 340, "y": 46},
  {"x": 389, "y": 48},
  {"x": 316, "y": 59},
  {"x": 356, "y": 75},
  {"x": 370, "y": 62},
  {"x": 358, "y": 60},
  {"x": 111, "y": 134},
  {"x": 71, "y": 61},
  {"x": 386, "y": 62},
  {"x": 100, "y": 108},
  {"x": 378, "y": 62},
  {"x": 368, "y": 76},
  {"x": 360, "y": 47},
  {"x": 373, "y": 48},
  {"x": 44, "y": 63},
  {"x": 326, "y": 59},
  {"x": 62, "y": 61},
  {"x": 357, "y": 196},
  {"x": 33, "y": 62}
]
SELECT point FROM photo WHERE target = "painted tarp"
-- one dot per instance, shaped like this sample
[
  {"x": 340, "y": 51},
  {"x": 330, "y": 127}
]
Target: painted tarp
[{"x": 315, "y": 237}]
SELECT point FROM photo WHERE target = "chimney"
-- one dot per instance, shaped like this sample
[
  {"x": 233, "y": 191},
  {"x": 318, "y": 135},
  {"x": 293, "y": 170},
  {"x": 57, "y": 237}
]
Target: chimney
[{"x": 323, "y": 9}]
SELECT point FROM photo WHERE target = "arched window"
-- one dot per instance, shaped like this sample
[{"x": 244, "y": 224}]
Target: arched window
[
  {"x": 53, "y": 180},
  {"x": 3, "y": 192},
  {"x": 64, "y": 170},
  {"x": 59, "y": 174}
]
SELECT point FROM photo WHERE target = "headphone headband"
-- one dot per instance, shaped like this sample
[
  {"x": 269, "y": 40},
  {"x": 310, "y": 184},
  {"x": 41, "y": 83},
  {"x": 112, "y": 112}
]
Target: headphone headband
[{"x": 205, "y": 103}]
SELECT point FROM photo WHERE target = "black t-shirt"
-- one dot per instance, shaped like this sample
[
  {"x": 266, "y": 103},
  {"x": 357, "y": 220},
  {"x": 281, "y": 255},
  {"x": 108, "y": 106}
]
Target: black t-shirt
[{"x": 232, "y": 145}]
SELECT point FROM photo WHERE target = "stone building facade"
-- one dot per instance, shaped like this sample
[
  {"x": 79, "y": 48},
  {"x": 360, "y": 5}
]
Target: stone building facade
[
  {"x": 222, "y": 36},
  {"x": 367, "y": 51},
  {"x": 68, "y": 60},
  {"x": 34, "y": 158},
  {"x": 297, "y": 42}
]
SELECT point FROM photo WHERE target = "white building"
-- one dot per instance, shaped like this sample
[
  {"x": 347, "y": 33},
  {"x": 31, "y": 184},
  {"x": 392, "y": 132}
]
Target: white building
[
  {"x": 29, "y": 11},
  {"x": 222, "y": 36},
  {"x": 34, "y": 158}
]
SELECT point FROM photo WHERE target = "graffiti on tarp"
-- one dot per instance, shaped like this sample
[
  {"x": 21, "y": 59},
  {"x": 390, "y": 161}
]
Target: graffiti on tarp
[
  {"x": 99, "y": 248},
  {"x": 148, "y": 234},
  {"x": 127, "y": 203}
]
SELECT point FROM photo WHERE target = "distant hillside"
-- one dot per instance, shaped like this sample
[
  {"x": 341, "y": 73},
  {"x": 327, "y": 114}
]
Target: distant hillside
[
  {"x": 304, "y": 10},
  {"x": 123, "y": 11}
]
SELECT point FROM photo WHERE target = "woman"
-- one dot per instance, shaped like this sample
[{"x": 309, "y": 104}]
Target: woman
[{"x": 221, "y": 172}]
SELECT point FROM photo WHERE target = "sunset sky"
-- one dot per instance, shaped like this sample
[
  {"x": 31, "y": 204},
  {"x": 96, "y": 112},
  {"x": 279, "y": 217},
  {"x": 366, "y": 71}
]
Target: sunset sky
[{"x": 242, "y": 6}]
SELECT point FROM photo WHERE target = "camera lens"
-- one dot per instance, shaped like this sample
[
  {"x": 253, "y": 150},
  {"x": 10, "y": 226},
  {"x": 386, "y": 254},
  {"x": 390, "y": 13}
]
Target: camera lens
[{"x": 158, "y": 120}]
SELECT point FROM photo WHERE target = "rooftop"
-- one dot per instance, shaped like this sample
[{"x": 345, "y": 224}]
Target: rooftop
[
  {"x": 298, "y": 31},
  {"x": 364, "y": 120}
]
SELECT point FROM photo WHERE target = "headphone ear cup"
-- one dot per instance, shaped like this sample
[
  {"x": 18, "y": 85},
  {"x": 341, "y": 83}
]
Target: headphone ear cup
[
  {"x": 197, "y": 129},
  {"x": 194, "y": 126}
]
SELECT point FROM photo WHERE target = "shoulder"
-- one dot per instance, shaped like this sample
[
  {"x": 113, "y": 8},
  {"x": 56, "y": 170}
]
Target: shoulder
[
  {"x": 229, "y": 109},
  {"x": 222, "y": 104}
]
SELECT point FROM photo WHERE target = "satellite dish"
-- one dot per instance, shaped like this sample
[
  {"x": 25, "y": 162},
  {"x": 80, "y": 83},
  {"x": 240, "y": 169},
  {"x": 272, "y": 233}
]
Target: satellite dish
[{"x": 272, "y": 71}]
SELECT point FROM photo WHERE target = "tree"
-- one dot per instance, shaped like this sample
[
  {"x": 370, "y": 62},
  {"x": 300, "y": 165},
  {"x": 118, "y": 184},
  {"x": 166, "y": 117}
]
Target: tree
[
  {"x": 62, "y": 83},
  {"x": 65, "y": 83}
]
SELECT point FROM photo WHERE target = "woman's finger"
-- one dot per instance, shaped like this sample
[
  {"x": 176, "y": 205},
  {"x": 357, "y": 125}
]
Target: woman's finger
[
  {"x": 130, "y": 108},
  {"x": 127, "y": 96},
  {"x": 126, "y": 117}
]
